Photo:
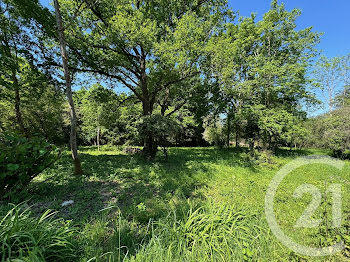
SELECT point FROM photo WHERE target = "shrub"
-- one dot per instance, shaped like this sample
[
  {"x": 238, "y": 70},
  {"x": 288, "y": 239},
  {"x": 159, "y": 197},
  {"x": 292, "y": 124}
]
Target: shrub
[
  {"x": 22, "y": 159},
  {"x": 214, "y": 134},
  {"x": 258, "y": 158},
  {"x": 28, "y": 238}
]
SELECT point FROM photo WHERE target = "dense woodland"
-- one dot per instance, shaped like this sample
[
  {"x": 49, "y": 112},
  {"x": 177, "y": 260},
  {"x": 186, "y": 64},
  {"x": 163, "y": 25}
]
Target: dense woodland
[{"x": 149, "y": 76}]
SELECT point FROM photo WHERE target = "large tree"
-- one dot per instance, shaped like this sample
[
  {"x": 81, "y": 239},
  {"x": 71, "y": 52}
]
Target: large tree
[{"x": 153, "y": 48}]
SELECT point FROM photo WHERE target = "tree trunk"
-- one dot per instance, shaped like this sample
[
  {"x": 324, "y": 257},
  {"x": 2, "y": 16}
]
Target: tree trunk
[
  {"x": 73, "y": 132},
  {"x": 228, "y": 130},
  {"x": 98, "y": 138},
  {"x": 150, "y": 147},
  {"x": 270, "y": 142},
  {"x": 18, "y": 112},
  {"x": 237, "y": 136},
  {"x": 251, "y": 146},
  {"x": 266, "y": 141}
]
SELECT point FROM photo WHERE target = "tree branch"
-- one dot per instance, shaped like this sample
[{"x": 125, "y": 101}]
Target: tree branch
[{"x": 178, "y": 107}]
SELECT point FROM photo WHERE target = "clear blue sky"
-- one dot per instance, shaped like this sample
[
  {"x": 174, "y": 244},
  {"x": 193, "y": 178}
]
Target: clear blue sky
[{"x": 332, "y": 17}]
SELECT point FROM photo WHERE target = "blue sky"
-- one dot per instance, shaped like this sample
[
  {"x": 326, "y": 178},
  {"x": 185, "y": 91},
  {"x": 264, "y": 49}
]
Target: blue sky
[{"x": 332, "y": 17}]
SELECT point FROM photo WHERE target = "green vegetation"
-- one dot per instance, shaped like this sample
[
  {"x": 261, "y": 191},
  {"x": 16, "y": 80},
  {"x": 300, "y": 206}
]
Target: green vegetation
[
  {"x": 203, "y": 203},
  {"x": 21, "y": 160},
  {"x": 28, "y": 238},
  {"x": 332, "y": 131},
  {"x": 117, "y": 126}
]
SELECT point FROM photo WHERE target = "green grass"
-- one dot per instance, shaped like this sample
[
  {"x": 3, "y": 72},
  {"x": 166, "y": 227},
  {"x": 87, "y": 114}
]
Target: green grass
[
  {"x": 203, "y": 204},
  {"x": 27, "y": 238}
]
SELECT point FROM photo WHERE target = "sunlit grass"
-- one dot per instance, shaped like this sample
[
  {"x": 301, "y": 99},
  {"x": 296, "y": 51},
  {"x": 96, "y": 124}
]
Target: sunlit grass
[{"x": 203, "y": 204}]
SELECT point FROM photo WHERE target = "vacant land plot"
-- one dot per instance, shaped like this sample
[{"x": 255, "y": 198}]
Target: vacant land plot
[{"x": 203, "y": 204}]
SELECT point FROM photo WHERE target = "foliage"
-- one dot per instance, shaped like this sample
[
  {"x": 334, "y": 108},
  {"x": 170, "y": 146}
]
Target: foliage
[
  {"x": 98, "y": 109},
  {"x": 332, "y": 76},
  {"x": 22, "y": 159},
  {"x": 281, "y": 125},
  {"x": 184, "y": 63},
  {"x": 42, "y": 108},
  {"x": 342, "y": 99},
  {"x": 162, "y": 129},
  {"x": 25, "y": 237},
  {"x": 260, "y": 67},
  {"x": 337, "y": 132},
  {"x": 194, "y": 74},
  {"x": 29, "y": 101},
  {"x": 154, "y": 48},
  {"x": 214, "y": 133},
  {"x": 332, "y": 131}
]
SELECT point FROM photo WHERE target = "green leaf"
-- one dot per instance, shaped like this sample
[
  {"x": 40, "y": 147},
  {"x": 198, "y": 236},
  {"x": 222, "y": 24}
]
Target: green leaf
[{"x": 12, "y": 167}]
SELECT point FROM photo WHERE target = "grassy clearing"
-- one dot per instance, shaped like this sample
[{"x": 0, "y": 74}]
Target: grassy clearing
[{"x": 203, "y": 204}]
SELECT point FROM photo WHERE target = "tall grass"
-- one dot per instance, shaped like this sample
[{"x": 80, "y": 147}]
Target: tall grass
[
  {"x": 196, "y": 231},
  {"x": 28, "y": 238},
  {"x": 210, "y": 233}
]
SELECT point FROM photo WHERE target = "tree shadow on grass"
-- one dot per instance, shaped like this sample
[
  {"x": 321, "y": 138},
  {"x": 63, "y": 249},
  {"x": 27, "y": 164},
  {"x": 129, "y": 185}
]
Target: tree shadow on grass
[
  {"x": 286, "y": 152},
  {"x": 139, "y": 189}
]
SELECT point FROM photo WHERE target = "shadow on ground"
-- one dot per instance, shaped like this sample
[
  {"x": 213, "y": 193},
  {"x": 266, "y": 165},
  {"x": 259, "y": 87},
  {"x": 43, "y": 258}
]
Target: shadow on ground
[{"x": 139, "y": 189}]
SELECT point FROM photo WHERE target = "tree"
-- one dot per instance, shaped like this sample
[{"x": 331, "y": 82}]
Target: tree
[
  {"x": 12, "y": 36},
  {"x": 24, "y": 82},
  {"x": 332, "y": 131},
  {"x": 328, "y": 77},
  {"x": 41, "y": 105},
  {"x": 262, "y": 67},
  {"x": 99, "y": 112},
  {"x": 214, "y": 132},
  {"x": 342, "y": 98},
  {"x": 73, "y": 133},
  {"x": 153, "y": 48},
  {"x": 160, "y": 127}
]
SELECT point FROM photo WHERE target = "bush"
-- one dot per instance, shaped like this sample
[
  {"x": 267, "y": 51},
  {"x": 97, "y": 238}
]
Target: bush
[
  {"x": 27, "y": 238},
  {"x": 214, "y": 134},
  {"x": 22, "y": 159},
  {"x": 258, "y": 158}
]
